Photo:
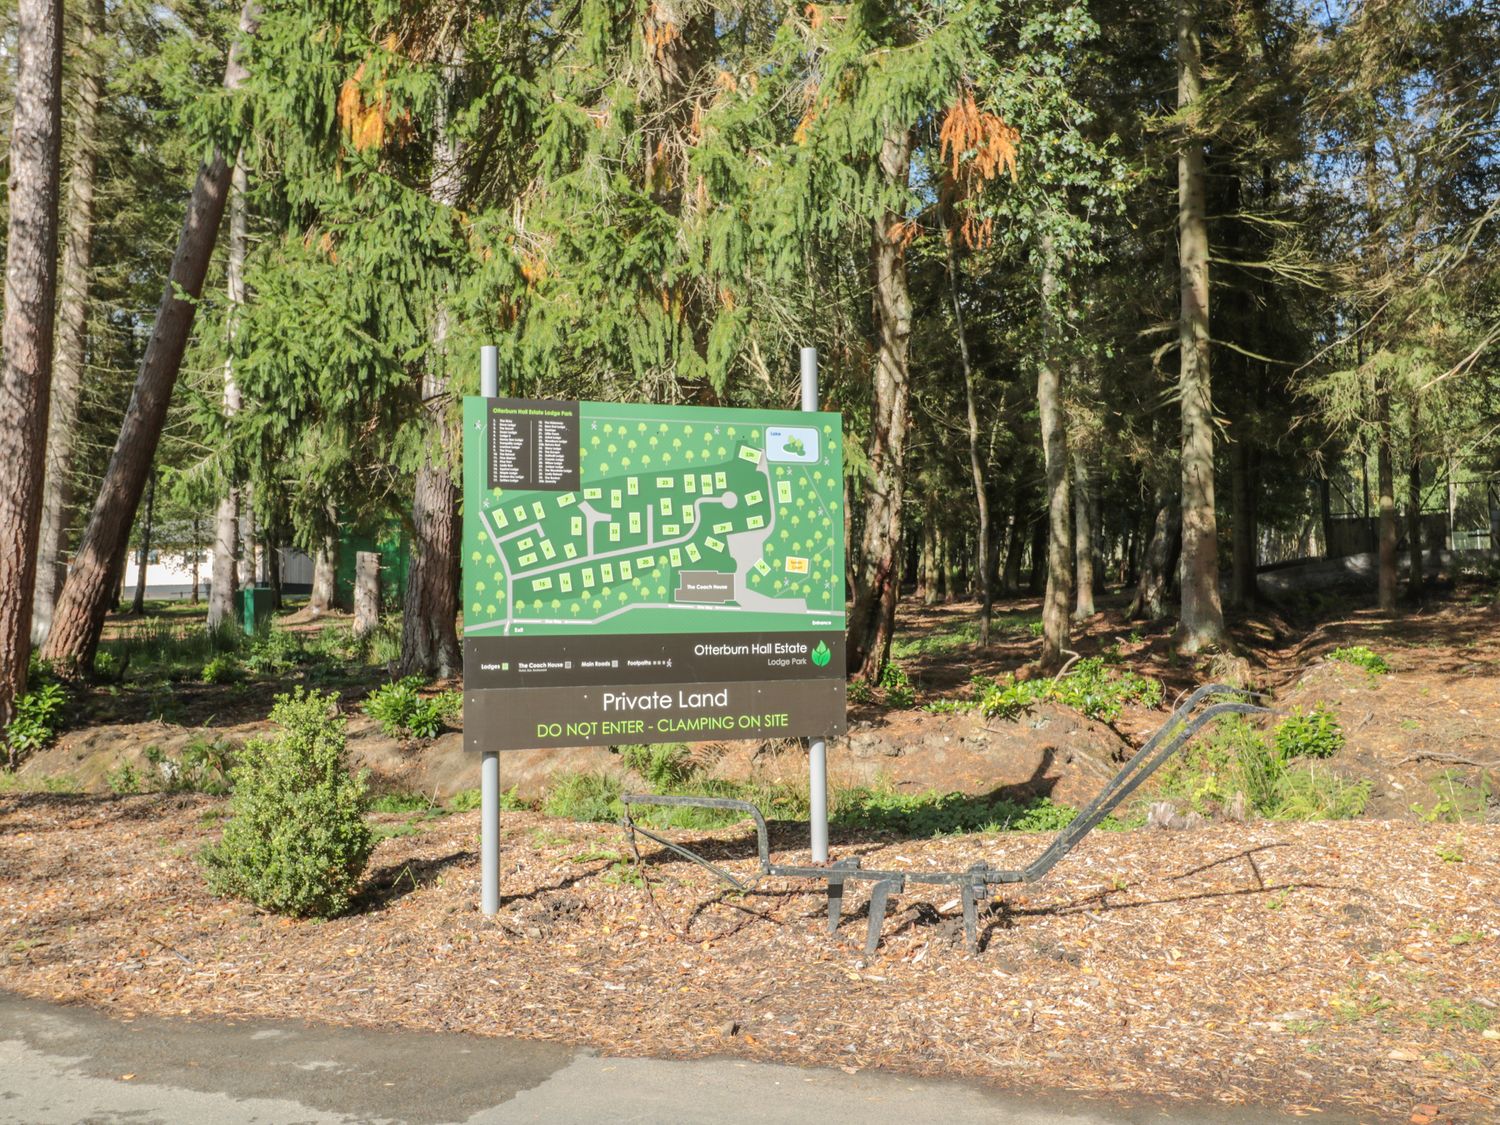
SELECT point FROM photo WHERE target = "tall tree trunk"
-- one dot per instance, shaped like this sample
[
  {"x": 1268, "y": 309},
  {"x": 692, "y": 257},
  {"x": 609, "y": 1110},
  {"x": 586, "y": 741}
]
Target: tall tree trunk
[
  {"x": 1201, "y": 622},
  {"x": 1159, "y": 558},
  {"x": 1325, "y": 511},
  {"x": 26, "y": 337},
  {"x": 1242, "y": 524},
  {"x": 872, "y": 618},
  {"x": 926, "y": 565},
  {"x": 81, "y": 608},
  {"x": 273, "y": 566},
  {"x": 429, "y": 636},
  {"x": 72, "y": 326},
  {"x": 1057, "y": 604},
  {"x": 227, "y": 519},
  {"x": 1386, "y": 483},
  {"x": 1083, "y": 540},
  {"x": 197, "y": 559},
  {"x": 1040, "y": 528},
  {"x": 325, "y": 571},
  {"x": 1010, "y": 581},
  {"x": 143, "y": 555},
  {"x": 976, "y": 461},
  {"x": 1415, "y": 580}
]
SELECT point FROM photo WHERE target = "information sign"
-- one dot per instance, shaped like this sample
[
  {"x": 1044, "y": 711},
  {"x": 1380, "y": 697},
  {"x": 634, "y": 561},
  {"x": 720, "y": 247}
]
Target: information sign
[{"x": 638, "y": 574}]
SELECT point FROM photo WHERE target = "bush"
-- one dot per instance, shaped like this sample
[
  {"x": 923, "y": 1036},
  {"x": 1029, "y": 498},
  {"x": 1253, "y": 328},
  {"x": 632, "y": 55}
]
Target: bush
[
  {"x": 275, "y": 651},
  {"x": 897, "y": 687},
  {"x": 1090, "y": 686},
  {"x": 1316, "y": 734},
  {"x": 1361, "y": 657},
  {"x": 1238, "y": 758},
  {"x": 221, "y": 669},
  {"x": 402, "y": 712},
  {"x": 297, "y": 842},
  {"x": 37, "y": 717}
]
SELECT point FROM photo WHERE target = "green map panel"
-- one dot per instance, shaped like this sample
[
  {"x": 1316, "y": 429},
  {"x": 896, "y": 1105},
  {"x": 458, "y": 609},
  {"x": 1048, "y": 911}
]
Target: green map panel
[{"x": 683, "y": 520}]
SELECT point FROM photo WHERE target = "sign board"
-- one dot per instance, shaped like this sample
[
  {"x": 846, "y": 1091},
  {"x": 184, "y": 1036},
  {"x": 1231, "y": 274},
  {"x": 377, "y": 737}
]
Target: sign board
[{"x": 638, "y": 574}]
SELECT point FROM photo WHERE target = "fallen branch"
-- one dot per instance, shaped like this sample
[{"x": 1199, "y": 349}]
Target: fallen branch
[{"x": 1448, "y": 759}]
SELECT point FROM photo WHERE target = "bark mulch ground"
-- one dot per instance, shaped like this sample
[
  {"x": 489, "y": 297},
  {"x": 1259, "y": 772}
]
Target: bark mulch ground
[{"x": 1351, "y": 966}]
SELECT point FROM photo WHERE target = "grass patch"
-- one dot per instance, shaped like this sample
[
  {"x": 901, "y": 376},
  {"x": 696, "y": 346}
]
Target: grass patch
[
  {"x": 1466, "y": 1014},
  {"x": 1361, "y": 656}
]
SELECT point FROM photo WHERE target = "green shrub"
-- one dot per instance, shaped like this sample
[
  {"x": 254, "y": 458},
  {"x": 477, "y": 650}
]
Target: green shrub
[
  {"x": 1089, "y": 686},
  {"x": 221, "y": 669},
  {"x": 896, "y": 685},
  {"x": 276, "y": 651},
  {"x": 403, "y": 712},
  {"x": 1361, "y": 657},
  {"x": 1238, "y": 758},
  {"x": 124, "y": 780},
  {"x": 38, "y": 714},
  {"x": 1316, "y": 734},
  {"x": 860, "y": 691},
  {"x": 296, "y": 842}
]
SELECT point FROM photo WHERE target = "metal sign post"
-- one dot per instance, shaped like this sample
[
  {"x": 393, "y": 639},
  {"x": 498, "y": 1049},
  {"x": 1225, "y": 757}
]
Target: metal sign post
[
  {"x": 817, "y": 748},
  {"x": 489, "y": 761}
]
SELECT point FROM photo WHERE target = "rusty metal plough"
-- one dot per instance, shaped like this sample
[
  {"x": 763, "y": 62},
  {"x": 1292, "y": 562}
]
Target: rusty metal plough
[{"x": 973, "y": 883}]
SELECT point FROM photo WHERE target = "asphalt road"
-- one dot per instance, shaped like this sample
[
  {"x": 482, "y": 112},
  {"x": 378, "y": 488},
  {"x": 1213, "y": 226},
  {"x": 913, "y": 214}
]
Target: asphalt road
[{"x": 68, "y": 1065}]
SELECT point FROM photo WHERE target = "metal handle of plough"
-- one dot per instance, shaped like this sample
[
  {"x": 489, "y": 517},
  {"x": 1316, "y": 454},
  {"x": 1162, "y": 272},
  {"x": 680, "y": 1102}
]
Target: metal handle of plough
[
  {"x": 1171, "y": 737},
  {"x": 728, "y": 804}
]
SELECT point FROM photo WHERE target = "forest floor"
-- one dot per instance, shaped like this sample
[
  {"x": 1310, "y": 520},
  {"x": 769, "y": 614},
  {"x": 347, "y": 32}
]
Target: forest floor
[
  {"x": 1347, "y": 965},
  {"x": 1351, "y": 966}
]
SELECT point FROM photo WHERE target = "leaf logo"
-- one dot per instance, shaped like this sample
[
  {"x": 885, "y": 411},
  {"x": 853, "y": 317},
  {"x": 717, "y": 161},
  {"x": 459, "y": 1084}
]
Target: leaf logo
[{"x": 821, "y": 656}]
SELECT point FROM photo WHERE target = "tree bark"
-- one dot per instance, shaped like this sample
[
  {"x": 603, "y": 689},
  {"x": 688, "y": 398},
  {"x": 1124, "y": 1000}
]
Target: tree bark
[
  {"x": 366, "y": 593},
  {"x": 1415, "y": 580},
  {"x": 1058, "y": 601},
  {"x": 325, "y": 570},
  {"x": 1083, "y": 540},
  {"x": 1386, "y": 483},
  {"x": 143, "y": 555},
  {"x": 72, "y": 327},
  {"x": 27, "y": 335},
  {"x": 1325, "y": 511},
  {"x": 1242, "y": 524},
  {"x": 429, "y": 636},
  {"x": 1201, "y": 621},
  {"x": 976, "y": 461},
  {"x": 1160, "y": 559},
  {"x": 1010, "y": 581},
  {"x": 872, "y": 618},
  {"x": 225, "y": 584},
  {"x": 1040, "y": 529},
  {"x": 81, "y": 608}
]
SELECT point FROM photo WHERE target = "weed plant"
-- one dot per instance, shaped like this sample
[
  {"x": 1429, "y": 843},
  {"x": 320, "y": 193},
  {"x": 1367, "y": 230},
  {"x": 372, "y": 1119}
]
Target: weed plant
[
  {"x": 1276, "y": 773},
  {"x": 38, "y": 715},
  {"x": 1361, "y": 657},
  {"x": 1089, "y": 686},
  {"x": 402, "y": 712}
]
